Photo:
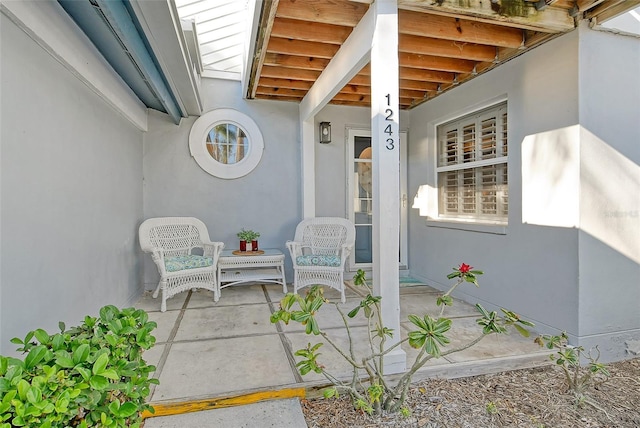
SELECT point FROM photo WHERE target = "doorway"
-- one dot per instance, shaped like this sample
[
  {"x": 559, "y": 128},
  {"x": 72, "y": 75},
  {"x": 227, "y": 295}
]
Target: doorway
[{"x": 360, "y": 198}]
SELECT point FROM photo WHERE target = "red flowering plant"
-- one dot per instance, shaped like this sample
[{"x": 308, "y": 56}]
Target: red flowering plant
[
  {"x": 375, "y": 393},
  {"x": 464, "y": 273}
]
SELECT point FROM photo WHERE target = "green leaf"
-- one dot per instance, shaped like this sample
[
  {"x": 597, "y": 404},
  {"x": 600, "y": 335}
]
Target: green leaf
[
  {"x": 114, "y": 407},
  {"x": 65, "y": 362},
  {"x": 482, "y": 310},
  {"x": 100, "y": 364},
  {"x": 57, "y": 342},
  {"x": 416, "y": 320},
  {"x": 444, "y": 300},
  {"x": 35, "y": 356},
  {"x": 354, "y": 312},
  {"x": 127, "y": 409},
  {"x": 417, "y": 339},
  {"x": 34, "y": 395},
  {"x": 98, "y": 383},
  {"x": 523, "y": 331},
  {"x": 84, "y": 372},
  {"x": 330, "y": 392},
  {"x": 42, "y": 336},
  {"x": 359, "y": 278},
  {"x": 431, "y": 347},
  {"x": 81, "y": 353},
  {"x": 110, "y": 374}
]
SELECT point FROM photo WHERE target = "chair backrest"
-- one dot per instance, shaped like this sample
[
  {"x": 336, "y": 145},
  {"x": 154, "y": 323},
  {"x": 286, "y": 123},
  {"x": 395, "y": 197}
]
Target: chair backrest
[
  {"x": 325, "y": 235},
  {"x": 175, "y": 235}
]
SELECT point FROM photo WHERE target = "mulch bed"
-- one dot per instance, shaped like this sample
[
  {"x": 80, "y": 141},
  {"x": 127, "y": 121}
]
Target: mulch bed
[{"x": 524, "y": 398}]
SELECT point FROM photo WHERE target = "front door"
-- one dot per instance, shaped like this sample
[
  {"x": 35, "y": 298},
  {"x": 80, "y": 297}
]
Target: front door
[{"x": 360, "y": 197}]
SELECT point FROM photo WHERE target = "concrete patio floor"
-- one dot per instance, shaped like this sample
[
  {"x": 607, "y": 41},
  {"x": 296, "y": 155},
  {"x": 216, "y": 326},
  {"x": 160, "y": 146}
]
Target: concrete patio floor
[{"x": 207, "y": 351}]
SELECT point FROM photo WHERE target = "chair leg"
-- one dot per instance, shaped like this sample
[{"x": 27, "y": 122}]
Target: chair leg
[
  {"x": 155, "y": 293},
  {"x": 216, "y": 292},
  {"x": 163, "y": 306}
]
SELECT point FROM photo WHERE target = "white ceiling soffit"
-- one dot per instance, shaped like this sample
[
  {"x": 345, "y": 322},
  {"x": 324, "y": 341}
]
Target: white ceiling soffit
[
  {"x": 627, "y": 22},
  {"x": 221, "y": 26}
]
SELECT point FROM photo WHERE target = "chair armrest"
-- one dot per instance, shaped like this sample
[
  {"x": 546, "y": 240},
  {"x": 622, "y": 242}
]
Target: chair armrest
[
  {"x": 295, "y": 249},
  {"x": 157, "y": 254},
  {"x": 345, "y": 251},
  {"x": 213, "y": 250}
]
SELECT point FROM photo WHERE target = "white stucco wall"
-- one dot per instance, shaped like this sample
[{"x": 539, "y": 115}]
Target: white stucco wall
[
  {"x": 71, "y": 195},
  {"x": 609, "y": 239},
  {"x": 266, "y": 200},
  {"x": 533, "y": 268},
  {"x": 569, "y": 257}
]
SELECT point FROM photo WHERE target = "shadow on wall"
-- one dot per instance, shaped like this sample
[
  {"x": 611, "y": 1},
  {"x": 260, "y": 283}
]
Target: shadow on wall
[{"x": 571, "y": 178}]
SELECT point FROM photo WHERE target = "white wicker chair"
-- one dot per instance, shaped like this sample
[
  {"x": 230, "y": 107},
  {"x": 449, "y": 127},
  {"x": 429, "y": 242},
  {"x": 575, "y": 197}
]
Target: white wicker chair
[
  {"x": 171, "y": 241},
  {"x": 319, "y": 252}
]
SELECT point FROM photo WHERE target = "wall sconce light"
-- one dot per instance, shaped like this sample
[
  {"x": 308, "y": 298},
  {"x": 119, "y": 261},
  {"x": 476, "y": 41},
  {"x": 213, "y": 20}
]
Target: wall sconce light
[{"x": 325, "y": 132}]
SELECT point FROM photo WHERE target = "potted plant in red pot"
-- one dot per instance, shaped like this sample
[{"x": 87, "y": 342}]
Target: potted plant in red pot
[{"x": 246, "y": 236}]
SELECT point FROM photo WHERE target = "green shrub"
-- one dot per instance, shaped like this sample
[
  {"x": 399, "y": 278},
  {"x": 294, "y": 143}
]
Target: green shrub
[
  {"x": 374, "y": 392},
  {"x": 569, "y": 358},
  {"x": 88, "y": 376}
]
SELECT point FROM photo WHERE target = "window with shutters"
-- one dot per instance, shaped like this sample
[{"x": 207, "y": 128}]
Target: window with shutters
[{"x": 472, "y": 167}]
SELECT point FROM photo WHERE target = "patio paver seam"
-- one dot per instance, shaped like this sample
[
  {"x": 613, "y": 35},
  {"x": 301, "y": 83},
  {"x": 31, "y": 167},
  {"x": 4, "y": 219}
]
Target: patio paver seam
[
  {"x": 286, "y": 344},
  {"x": 169, "y": 342}
]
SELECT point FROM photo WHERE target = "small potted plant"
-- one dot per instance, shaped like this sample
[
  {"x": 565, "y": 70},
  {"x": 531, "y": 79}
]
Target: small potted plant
[{"x": 248, "y": 236}]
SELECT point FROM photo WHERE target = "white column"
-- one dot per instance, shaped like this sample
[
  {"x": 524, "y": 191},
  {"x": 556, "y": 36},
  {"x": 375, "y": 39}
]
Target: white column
[
  {"x": 307, "y": 137},
  {"x": 385, "y": 141}
]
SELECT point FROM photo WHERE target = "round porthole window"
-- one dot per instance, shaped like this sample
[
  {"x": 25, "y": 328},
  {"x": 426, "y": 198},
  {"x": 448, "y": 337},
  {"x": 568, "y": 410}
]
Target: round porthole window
[{"x": 226, "y": 143}]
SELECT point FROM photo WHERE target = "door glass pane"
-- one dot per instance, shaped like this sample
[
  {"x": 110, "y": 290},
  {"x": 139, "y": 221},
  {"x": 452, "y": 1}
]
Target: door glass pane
[
  {"x": 363, "y": 203},
  {"x": 363, "y": 245}
]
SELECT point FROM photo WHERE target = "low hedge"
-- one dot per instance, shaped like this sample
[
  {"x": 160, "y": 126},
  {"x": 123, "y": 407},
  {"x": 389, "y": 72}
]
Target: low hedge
[{"x": 88, "y": 376}]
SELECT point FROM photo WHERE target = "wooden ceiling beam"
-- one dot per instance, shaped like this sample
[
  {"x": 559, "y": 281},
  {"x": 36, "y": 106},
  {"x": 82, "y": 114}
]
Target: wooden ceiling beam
[
  {"x": 294, "y": 61},
  {"x": 360, "y": 79},
  {"x": 610, "y": 9},
  {"x": 418, "y": 74},
  {"x": 289, "y": 73},
  {"x": 445, "y": 48},
  {"x": 340, "y": 96},
  {"x": 285, "y": 83},
  {"x": 584, "y": 5},
  {"x": 366, "y": 90},
  {"x": 403, "y": 106},
  {"x": 338, "y": 12},
  {"x": 418, "y": 85},
  {"x": 511, "y": 14},
  {"x": 278, "y": 98},
  {"x": 365, "y": 99},
  {"x": 299, "y": 30},
  {"x": 461, "y": 30},
  {"x": 269, "y": 8},
  {"x": 426, "y": 75},
  {"x": 266, "y": 90},
  {"x": 440, "y": 63},
  {"x": 302, "y": 48}
]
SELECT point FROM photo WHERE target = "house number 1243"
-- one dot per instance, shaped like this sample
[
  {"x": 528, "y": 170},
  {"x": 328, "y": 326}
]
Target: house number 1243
[{"x": 391, "y": 142}]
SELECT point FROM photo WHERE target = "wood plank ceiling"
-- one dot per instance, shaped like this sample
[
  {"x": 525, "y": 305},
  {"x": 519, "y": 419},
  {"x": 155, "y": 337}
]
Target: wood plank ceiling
[{"x": 442, "y": 43}]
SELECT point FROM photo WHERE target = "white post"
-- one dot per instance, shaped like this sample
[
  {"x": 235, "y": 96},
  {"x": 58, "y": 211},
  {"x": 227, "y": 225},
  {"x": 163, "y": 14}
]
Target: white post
[
  {"x": 385, "y": 141},
  {"x": 307, "y": 136}
]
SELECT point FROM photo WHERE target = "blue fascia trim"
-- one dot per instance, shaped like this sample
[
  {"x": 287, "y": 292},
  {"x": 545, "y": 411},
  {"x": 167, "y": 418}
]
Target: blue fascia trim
[{"x": 122, "y": 23}]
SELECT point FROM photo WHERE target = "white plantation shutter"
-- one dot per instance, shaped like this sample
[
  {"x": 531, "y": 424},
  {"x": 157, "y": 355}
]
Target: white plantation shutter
[{"x": 472, "y": 167}]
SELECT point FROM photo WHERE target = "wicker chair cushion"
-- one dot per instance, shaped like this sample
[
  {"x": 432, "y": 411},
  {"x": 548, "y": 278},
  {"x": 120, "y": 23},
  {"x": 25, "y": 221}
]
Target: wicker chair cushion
[
  {"x": 312, "y": 260},
  {"x": 174, "y": 264}
]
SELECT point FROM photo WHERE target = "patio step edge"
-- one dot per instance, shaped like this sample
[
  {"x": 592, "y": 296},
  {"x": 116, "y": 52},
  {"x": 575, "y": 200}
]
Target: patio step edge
[
  {"x": 314, "y": 389},
  {"x": 170, "y": 408}
]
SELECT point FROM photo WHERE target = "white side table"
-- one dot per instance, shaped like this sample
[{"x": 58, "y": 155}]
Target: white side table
[{"x": 236, "y": 269}]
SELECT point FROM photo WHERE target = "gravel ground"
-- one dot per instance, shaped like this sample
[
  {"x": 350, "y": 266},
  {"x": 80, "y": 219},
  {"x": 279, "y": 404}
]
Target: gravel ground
[{"x": 523, "y": 398}]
